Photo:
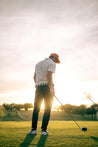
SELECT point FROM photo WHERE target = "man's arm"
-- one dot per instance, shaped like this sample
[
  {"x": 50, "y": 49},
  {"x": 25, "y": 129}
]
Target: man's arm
[
  {"x": 49, "y": 78},
  {"x": 34, "y": 77},
  {"x": 50, "y": 83}
]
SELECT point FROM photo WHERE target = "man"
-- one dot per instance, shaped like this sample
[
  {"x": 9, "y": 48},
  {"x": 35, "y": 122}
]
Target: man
[{"x": 44, "y": 90}]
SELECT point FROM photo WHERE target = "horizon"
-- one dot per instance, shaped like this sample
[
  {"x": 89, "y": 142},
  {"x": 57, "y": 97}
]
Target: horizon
[{"x": 53, "y": 106}]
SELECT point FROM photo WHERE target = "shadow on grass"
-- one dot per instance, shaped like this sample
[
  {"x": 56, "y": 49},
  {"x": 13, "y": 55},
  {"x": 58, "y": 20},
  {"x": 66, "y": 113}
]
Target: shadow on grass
[
  {"x": 42, "y": 141},
  {"x": 94, "y": 138},
  {"x": 27, "y": 140}
]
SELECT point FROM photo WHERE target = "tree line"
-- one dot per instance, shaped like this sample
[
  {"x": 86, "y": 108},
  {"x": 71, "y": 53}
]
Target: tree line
[
  {"x": 17, "y": 107},
  {"x": 72, "y": 109},
  {"x": 82, "y": 109}
]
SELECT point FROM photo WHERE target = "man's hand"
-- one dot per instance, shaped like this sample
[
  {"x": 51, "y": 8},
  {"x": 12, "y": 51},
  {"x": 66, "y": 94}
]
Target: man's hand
[
  {"x": 50, "y": 83},
  {"x": 52, "y": 91}
]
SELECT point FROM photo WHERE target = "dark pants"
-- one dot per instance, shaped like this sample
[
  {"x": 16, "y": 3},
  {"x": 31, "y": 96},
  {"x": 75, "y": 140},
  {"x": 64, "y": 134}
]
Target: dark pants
[{"x": 42, "y": 92}]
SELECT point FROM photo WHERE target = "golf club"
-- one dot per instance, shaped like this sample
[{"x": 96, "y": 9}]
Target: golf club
[
  {"x": 83, "y": 128},
  {"x": 92, "y": 101},
  {"x": 88, "y": 96}
]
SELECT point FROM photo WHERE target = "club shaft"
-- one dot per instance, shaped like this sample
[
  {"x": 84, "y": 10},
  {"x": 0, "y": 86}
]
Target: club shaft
[
  {"x": 67, "y": 112},
  {"x": 93, "y": 101}
]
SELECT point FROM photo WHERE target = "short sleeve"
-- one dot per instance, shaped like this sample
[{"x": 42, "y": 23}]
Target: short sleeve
[{"x": 52, "y": 68}]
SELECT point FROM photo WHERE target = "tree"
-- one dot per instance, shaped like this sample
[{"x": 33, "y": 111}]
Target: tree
[
  {"x": 8, "y": 106},
  {"x": 26, "y": 106},
  {"x": 82, "y": 110},
  {"x": 88, "y": 111},
  {"x": 18, "y": 107},
  {"x": 2, "y": 111},
  {"x": 92, "y": 110},
  {"x": 68, "y": 107},
  {"x": 75, "y": 109}
]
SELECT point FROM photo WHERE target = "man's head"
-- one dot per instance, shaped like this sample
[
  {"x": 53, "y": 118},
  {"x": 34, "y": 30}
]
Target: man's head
[{"x": 55, "y": 57}]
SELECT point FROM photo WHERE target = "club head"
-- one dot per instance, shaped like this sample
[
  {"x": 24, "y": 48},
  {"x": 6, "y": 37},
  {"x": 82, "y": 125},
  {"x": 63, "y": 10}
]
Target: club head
[{"x": 84, "y": 129}]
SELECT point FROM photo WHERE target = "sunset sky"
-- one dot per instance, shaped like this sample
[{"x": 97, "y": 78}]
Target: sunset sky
[{"x": 30, "y": 30}]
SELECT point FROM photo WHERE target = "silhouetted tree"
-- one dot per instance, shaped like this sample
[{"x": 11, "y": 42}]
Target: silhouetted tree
[
  {"x": 82, "y": 110},
  {"x": 26, "y": 106},
  {"x": 92, "y": 110},
  {"x": 2, "y": 111},
  {"x": 8, "y": 106},
  {"x": 75, "y": 109},
  {"x": 18, "y": 107}
]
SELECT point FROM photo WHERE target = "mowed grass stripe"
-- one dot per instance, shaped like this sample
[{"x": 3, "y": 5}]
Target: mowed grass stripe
[{"x": 61, "y": 134}]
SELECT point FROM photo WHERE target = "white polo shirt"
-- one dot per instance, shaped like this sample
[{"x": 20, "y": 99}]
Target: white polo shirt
[{"x": 41, "y": 70}]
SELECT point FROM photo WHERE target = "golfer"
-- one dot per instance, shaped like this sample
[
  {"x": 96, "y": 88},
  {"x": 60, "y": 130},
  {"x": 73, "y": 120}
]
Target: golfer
[{"x": 44, "y": 90}]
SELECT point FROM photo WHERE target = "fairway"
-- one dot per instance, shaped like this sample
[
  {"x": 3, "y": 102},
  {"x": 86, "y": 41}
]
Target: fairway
[{"x": 61, "y": 134}]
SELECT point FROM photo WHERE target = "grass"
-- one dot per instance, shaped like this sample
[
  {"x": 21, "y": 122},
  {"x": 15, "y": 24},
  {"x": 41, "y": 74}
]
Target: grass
[
  {"x": 61, "y": 134},
  {"x": 55, "y": 115}
]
